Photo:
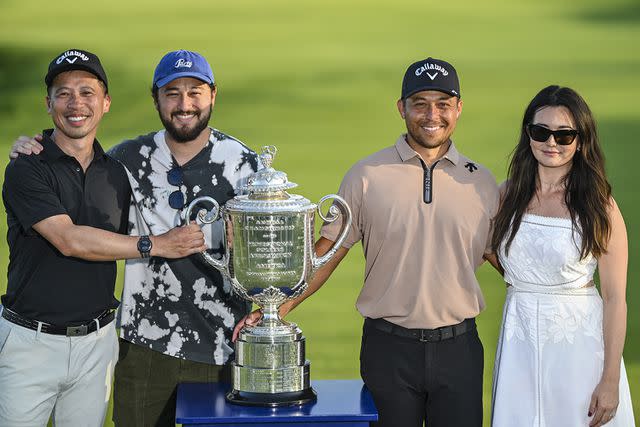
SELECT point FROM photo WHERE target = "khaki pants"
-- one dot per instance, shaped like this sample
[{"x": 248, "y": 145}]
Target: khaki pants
[
  {"x": 146, "y": 384},
  {"x": 43, "y": 374}
]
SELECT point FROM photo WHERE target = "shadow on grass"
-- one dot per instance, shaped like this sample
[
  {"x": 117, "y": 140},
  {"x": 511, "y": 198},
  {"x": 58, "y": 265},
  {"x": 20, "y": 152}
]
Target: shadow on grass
[
  {"x": 21, "y": 70},
  {"x": 627, "y": 13},
  {"x": 619, "y": 141}
]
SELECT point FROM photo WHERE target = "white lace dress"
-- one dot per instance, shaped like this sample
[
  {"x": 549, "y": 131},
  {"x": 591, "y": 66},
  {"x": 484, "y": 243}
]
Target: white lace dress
[{"x": 550, "y": 350}]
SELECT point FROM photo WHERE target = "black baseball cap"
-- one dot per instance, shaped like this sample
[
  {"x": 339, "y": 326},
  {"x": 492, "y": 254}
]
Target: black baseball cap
[
  {"x": 76, "y": 59},
  {"x": 430, "y": 74}
]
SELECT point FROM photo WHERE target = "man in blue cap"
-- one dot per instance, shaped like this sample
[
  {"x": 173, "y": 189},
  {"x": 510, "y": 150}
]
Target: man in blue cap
[{"x": 177, "y": 316}]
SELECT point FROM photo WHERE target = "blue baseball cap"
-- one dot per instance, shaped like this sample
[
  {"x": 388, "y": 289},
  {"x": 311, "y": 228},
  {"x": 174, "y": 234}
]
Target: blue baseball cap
[{"x": 182, "y": 63}]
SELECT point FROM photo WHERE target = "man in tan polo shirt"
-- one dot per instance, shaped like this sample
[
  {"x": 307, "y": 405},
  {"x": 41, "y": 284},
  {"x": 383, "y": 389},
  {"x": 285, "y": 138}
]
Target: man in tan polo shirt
[{"x": 423, "y": 213}]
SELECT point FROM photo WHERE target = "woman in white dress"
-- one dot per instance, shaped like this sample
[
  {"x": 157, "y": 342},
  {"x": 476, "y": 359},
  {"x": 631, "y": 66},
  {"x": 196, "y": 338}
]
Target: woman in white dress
[{"x": 559, "y": 357}]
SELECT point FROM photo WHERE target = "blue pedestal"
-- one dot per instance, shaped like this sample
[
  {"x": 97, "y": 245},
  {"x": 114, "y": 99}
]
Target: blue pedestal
[{"x": 340, "y": 403}]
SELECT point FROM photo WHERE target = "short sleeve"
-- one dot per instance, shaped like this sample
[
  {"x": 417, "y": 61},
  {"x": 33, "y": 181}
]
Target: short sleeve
[
  {"x": 28, "y": 194},
  {"x": 351, "y": 190},
  {"x": 488, "y": 249},
  {"x": 493, "y": 203}
]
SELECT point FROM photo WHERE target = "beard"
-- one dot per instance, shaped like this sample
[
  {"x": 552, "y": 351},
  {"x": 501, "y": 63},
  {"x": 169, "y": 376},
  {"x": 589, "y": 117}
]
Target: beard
[
  {"x": 428, "y": 143},
  {"x": 185, "y": 133}
]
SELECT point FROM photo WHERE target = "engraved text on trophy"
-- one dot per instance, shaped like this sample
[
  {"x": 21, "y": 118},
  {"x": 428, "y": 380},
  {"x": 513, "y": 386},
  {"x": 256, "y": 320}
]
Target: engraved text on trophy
[{"x": 269, "y": 250}]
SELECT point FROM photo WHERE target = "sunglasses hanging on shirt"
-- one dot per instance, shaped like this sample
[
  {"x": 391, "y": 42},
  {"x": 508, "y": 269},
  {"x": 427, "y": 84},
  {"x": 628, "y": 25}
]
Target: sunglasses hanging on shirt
[{"x": 176, "y": 177}]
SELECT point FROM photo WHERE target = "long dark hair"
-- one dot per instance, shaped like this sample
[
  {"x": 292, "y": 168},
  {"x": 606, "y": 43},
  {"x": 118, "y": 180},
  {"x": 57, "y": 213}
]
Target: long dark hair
[{"x": 587, "y": 194}]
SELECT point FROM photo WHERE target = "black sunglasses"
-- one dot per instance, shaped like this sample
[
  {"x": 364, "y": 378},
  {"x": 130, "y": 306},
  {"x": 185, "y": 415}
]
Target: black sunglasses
[
  {"x": 542, "y": 134},
  {"x": 175, "y": 177}
]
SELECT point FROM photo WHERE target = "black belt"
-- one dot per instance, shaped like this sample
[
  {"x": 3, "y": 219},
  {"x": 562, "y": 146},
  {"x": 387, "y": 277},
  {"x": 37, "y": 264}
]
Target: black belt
[
  {"x": 424, "y": 335},
  {"x": 70, "y": 331}
]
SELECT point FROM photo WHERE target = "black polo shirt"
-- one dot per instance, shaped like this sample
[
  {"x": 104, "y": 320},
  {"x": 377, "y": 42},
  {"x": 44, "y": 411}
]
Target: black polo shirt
[{"x": 43, "y": 284}]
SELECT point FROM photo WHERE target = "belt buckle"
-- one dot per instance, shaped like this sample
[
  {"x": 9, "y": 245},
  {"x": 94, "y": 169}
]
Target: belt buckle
[
  {"x": 429, "y": 335},
  {"x": 77, "y": 331}
]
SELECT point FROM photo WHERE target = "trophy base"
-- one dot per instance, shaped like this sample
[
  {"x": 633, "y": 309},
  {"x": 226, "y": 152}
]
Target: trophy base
[{"x": 272, "y": 400}]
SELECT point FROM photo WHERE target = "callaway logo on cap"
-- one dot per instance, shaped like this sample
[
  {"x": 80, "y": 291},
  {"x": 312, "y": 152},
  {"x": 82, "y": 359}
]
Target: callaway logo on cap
[
  {"x": 71, "y": 56},
  {"x": 182, "y": 63},
  {"x": 76, "y": 59},
  {"x": 430, "y": 74}
]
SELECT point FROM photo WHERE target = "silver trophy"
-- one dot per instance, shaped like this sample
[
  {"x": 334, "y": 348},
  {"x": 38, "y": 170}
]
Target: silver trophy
[{"x": 269, "y": 259}]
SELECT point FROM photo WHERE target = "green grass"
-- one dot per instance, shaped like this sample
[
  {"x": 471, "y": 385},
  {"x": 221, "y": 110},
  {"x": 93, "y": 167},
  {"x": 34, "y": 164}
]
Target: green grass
[{"x": 319, "y": 79}]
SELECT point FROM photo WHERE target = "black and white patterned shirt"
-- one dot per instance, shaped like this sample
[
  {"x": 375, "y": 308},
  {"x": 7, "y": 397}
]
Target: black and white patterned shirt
[{"x": 182, "y": 307}]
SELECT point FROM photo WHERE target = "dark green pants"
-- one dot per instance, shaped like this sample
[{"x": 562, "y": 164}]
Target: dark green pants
[{"x": 146, "y": 383}]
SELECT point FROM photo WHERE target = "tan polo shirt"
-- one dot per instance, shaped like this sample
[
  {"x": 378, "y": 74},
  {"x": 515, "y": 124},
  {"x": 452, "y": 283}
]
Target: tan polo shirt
[{"x": 420, "y": 257}]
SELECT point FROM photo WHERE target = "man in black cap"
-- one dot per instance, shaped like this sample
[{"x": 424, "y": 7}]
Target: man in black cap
[
  {"x": 67, "y": 214},
  {"x": 177, "y": 316},
  {"x": 423, "y": 213}
]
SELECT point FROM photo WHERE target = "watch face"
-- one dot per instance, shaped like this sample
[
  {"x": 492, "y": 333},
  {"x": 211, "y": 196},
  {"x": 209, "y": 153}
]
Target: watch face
[{"x": 144, "y": 244}]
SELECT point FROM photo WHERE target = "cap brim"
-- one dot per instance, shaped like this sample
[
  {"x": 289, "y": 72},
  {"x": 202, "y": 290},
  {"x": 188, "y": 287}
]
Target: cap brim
[
  {"x": 163, "y": 81},
  {"x": 438, "y": 89},
  {"x": 72, "y": 67}
]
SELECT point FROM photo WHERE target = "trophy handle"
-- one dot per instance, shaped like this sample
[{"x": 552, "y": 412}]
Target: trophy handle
[
  {"x": 207, "y": 217},
  {"x": 332, "y": 215}
]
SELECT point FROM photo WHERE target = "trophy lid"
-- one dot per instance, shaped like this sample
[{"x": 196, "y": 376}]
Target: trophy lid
[
  {"x": 266, "y": 191},
  {"x": 268, "y": 181}
]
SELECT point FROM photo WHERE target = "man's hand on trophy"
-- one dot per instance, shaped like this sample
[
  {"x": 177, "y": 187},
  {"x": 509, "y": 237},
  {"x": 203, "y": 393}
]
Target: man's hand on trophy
[
  {"x": 26, "y": 145},
  {"x": 179, "y": 242},
  {"x": 250, "y": 319}
]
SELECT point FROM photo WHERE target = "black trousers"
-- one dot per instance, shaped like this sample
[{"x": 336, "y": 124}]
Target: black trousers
[{"x": 414, "y": 382}]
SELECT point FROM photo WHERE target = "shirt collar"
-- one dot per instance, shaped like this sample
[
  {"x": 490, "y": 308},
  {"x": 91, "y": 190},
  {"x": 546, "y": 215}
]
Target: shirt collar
[
  {"x": 52, "y": 152},
  {"x": 406, "y": 152}
]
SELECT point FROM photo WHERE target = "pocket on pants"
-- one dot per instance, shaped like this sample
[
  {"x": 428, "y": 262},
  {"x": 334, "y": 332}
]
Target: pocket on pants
[
  {"x": 5, "y": 331},
  {"x": 362, "y": 344}
]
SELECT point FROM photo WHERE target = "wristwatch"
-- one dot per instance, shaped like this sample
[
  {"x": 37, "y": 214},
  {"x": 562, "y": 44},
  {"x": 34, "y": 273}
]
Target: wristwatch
[{"x": 144, "y": 246}]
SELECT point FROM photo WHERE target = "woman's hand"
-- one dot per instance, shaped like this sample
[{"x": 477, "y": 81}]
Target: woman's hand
[{"x": 604, "y": 402}]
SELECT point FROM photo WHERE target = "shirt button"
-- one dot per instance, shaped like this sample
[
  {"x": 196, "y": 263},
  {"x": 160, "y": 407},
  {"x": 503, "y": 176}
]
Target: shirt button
[{"x": 77, "y": 169}]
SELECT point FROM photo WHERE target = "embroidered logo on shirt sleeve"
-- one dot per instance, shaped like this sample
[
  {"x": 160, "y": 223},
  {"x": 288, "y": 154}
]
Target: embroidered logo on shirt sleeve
[{"x": 471, "y": 166}]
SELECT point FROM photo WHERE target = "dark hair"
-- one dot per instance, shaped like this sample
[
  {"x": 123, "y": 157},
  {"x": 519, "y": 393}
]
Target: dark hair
[
  {"x": 587, "y": 191},
  {"x": 154, "y": 91}
]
